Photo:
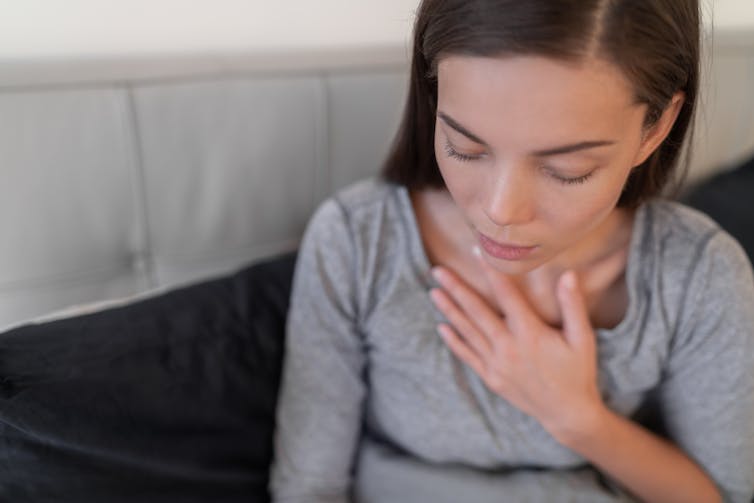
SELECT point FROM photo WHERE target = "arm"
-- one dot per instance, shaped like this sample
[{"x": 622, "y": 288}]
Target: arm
[
  {"x": 322, "y": 389},
  {"x": 646, "y": 464},
  {"x": 706, "y": 397}
]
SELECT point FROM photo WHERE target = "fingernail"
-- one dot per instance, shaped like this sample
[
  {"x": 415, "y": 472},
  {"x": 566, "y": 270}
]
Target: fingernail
[
  {"x": 441, "y": 331},
  {"x": 569, "y": 280},
  {"x": 436, "y": 274},
  {"x": 434, "y": 294}
]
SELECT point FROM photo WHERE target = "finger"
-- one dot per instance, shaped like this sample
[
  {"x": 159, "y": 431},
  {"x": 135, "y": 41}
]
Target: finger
[
  {"x": 474, "y": 306},
  {"x": 577, "y": 328},
  {"x": 461, "y": 350},
  {"x": 514, "y": 305},
  {"x": 461, "y": 322}
]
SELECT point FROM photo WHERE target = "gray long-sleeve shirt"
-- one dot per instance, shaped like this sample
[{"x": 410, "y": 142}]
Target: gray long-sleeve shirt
[{"x": 374, "y": 407}]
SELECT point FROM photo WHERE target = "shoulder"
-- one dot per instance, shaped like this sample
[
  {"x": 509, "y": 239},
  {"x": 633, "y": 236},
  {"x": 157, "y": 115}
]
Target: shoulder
[
  {"x": 364, "y": 199},
  {"x": 357, "y": 238},
  {"x": 683, "y": 239},
  {"x": 364, "y": 193},
  {"x": 361, "y": 197},
  {"x": 361, "y": 209},
  {"x": 358, "y": 217},
  {"x": 678, "y": 222},
  {"x": 687, "y": 264},
  {"x": 701, "y": 272}
]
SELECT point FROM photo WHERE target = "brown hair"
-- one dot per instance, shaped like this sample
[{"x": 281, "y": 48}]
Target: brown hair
[{"x": 654, "y": 42}]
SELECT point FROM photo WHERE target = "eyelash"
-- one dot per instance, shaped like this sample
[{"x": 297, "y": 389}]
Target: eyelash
[
  {"x": 572, "y": 181},
  {"x": 452, "y": 152},
  {"x": 457, "y": 155}
]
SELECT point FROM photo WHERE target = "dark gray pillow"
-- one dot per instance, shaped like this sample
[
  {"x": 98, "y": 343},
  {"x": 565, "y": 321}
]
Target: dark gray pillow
[
  {"x": 170, "y": 399},
  {"x": 729, "y": 199}
]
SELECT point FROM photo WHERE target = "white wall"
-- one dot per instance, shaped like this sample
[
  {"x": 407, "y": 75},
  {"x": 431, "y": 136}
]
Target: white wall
[
  {"x": 733, "y": 14},
  {"x": 32, "y": 28},
  {"x": 52, "y": 28}
]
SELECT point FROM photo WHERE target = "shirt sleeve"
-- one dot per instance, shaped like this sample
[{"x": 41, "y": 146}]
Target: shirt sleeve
[
  {"x": 707, "y": 394},
  {"x": 322, "y": 389}
]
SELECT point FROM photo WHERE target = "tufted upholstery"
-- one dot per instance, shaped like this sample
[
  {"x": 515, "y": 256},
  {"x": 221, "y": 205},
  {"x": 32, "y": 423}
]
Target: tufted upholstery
[{"x": 141, "y": 176}]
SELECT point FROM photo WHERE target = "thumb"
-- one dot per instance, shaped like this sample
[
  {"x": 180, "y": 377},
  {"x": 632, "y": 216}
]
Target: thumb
[{"x": 577, "y": 328}]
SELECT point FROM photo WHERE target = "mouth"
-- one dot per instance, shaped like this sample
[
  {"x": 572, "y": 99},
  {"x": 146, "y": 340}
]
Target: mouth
[{"x": 505, "y": 251}]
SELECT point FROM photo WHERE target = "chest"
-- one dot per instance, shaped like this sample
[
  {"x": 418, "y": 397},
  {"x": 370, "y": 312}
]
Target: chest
[{"x": 425, "y": 400}]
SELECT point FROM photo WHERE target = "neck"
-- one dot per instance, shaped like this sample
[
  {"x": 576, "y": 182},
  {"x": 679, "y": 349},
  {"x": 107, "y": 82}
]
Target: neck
[{"x": 608, "y": 239}]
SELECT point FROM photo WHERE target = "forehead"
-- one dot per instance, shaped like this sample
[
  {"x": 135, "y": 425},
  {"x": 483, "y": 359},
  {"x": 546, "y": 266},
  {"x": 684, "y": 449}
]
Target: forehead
[{"x": 536, "y": 97}]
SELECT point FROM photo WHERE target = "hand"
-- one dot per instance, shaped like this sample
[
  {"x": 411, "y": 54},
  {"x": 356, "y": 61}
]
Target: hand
[{"x": 547, "y": 373}]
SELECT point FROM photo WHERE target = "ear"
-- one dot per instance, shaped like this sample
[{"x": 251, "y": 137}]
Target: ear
[{"x": 653, "y": 136}]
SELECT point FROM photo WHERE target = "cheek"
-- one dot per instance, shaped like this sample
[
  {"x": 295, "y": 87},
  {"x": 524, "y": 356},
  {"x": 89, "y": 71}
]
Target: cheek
[
  {"x": 582, "y": 211},
  {"x": 589, "y": 209}
]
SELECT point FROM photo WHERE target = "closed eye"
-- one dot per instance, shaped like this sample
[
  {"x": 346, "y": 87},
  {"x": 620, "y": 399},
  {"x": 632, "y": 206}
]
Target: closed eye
[
  {"x": 452, "y": 152},
  {"x": 455, "y": 154},
  {"x": 568, "y": 180}
]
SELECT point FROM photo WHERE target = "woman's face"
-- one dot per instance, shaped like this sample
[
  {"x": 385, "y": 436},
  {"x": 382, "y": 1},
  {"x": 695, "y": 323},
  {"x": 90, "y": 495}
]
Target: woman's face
[{"x": 535, "y": 151}]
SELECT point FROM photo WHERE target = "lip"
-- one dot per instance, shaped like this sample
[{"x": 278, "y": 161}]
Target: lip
[{"x": 504, "y": 251}]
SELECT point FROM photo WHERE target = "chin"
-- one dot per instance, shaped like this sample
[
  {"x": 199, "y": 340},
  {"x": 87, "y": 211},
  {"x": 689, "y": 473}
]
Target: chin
[{"x": 512, "y": 267}]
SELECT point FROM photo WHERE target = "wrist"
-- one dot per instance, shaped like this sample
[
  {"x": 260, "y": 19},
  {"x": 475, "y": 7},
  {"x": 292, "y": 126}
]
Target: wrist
[{"x": 582, "y": 426}]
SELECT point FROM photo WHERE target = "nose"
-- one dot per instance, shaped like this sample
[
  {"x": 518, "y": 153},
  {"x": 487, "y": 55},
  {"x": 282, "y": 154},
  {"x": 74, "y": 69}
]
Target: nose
[{"x": 510, "y": 197}]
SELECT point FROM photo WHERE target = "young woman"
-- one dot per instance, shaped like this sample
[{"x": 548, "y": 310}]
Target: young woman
[{"x": 518, "y": 218}]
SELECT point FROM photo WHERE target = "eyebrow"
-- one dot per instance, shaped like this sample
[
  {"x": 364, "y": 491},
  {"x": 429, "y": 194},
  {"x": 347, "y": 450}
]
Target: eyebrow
[{"x": 563, "y": 149}]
